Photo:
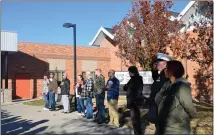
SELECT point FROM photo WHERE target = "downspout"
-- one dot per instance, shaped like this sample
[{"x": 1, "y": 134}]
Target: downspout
[
  {"x": 6, "y": 69},
  {"x": 186, "y": 53}
]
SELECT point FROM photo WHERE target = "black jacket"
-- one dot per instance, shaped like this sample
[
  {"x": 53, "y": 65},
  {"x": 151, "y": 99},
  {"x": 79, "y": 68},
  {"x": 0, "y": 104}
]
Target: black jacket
[
  {"x": 65, "y": 88},
  {"x": 159, "y": 80},
  {"x": 134, "y": 90},
  {"x": 79, "y": 89}
]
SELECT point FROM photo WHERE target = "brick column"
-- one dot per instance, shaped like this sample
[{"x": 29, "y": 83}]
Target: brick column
[{"x": 6, "y": 95}]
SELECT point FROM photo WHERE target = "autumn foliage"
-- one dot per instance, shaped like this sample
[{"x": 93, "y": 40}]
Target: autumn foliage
[
  {"x": 145, "y": 31},
  {"x": 197, "y": 45}
]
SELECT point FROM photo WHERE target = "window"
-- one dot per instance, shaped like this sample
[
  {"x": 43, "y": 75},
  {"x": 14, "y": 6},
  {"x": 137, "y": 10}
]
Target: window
[
  {"x": 58, "y": 74},
  {"x": 92, "y": 75}
]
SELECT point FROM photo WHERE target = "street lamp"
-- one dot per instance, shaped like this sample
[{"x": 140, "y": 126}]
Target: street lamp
[{"x": 69, "y": 25}]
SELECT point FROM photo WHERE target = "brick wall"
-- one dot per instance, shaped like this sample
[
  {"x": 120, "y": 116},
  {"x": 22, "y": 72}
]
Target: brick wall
[
  {"x": 115, "y": 62},
  {"x": 32, "y": 59}
]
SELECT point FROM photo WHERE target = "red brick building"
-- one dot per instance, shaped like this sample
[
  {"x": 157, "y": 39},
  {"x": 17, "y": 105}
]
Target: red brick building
[{"x": 27, "y": 66}]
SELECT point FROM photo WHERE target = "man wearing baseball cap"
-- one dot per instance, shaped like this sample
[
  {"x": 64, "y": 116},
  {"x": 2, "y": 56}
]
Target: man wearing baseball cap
[{"x": 158, "y": 75}]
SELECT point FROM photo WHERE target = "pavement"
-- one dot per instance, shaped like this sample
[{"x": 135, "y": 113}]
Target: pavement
[{"x": 23, "y": 119}]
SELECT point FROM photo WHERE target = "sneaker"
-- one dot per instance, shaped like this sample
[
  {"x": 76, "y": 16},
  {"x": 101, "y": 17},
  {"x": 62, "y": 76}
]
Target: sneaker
[
  {"x": 45, "y": 109},
  {"x": 110, "y": 124},
  {"x": 83, "y": 115},
  {"x": 114, "y": 126}
]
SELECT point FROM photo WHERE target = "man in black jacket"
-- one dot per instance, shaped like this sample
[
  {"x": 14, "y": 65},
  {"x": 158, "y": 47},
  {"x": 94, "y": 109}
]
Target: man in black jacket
[
  {"x": 65, "y": 91},
  {"x": 158, "y": 74}
]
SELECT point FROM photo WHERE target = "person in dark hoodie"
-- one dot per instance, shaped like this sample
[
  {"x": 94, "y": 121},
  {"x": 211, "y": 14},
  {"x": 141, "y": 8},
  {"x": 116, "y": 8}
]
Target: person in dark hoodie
[
  {"x": 134, "y": 90},
  {"x": 159, "y": 80},
  {"x": 175, "y": 107}
]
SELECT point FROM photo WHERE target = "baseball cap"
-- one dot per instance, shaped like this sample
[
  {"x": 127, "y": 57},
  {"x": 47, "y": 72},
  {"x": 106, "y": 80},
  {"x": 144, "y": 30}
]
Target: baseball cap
[{"x": 163, "y": 57}]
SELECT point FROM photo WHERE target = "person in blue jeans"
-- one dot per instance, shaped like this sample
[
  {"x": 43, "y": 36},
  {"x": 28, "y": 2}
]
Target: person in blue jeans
[
  {"x": 45, "y": 92},
  {"x": 52, "y": 87},
  {"x": 80, "y": 100},
  {"x": 87, "y": 94},
  {"x": 99, "y": 85}
]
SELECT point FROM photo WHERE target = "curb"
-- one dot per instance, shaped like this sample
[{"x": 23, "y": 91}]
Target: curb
[{"x": 18, "y": 102}]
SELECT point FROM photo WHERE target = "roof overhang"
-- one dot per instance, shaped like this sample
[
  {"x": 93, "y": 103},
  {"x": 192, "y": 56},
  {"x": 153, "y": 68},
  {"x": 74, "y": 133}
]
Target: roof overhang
[
  {"x": 185, "y": 10},
  {"x": 9, "y": 41},
  {"x": 100, "y": 35}
]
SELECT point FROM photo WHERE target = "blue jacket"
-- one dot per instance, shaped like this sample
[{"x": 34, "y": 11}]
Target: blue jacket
[{"x": 113, "y": 91}]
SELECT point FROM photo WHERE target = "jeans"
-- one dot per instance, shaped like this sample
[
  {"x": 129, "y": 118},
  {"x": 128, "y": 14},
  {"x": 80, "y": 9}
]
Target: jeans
[
  {"x": 52, "y": 101},
  {"x": 100, "y": 107},
  {"x": 46, "y": 97},
  {"x": 80, "y": 105},
  {"x": 89, "y": 109}
]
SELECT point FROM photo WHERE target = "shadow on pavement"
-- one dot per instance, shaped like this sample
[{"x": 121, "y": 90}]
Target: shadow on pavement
[
  {"x": 85, "y": 126},
  {"x": 16, "y": 125},
  {"x": 81, "y": 125}
]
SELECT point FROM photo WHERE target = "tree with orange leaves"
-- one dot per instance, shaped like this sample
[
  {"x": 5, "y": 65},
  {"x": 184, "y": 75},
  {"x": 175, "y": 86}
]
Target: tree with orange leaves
[
  {"x": 197, "y": 45},
  {"x": 145, "y": 31}
]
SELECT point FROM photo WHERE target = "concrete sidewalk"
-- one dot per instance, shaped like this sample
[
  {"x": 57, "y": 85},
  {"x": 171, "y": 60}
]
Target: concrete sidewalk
[{"x": 22, "y": 119}]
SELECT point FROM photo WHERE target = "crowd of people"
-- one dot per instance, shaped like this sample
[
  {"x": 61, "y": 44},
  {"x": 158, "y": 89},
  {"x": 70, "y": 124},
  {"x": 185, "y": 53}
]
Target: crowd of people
[
  {"x": 170, "y": 102},
  {"x": 51, "y": 89}
]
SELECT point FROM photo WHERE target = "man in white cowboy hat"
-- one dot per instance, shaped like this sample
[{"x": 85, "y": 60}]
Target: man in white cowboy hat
[{"x": 158, "y": 75}]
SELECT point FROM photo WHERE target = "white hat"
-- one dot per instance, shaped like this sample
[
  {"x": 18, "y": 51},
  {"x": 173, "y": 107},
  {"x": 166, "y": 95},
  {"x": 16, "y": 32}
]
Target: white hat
[{"x": 162, "y": 56}]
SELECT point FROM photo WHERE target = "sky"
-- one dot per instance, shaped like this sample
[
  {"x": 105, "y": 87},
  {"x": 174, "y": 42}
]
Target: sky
[{"x": 42, "y": 22}]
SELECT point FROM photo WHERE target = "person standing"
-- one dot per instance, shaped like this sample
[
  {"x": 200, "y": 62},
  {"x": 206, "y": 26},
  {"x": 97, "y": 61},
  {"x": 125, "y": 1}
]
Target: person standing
[
  {"x": 65, "y": 92},
  {"x": 80, "y": 100},
  {"x": 112, "y": 88},
  {"x": 89, "y": 87},
  {"x": 45, "y": 92},
  {"x": 159, "y": 79},
  {"x": 134, "y": 90},
  {"x": 52, "y": 87},
  {"x": 175, "y": 107},
  {"x": 99, "y": 92}
]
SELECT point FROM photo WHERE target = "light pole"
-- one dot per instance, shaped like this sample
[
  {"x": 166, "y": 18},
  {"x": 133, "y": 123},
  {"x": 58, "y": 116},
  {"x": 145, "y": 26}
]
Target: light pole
[{"x": 69, "y": 25}]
